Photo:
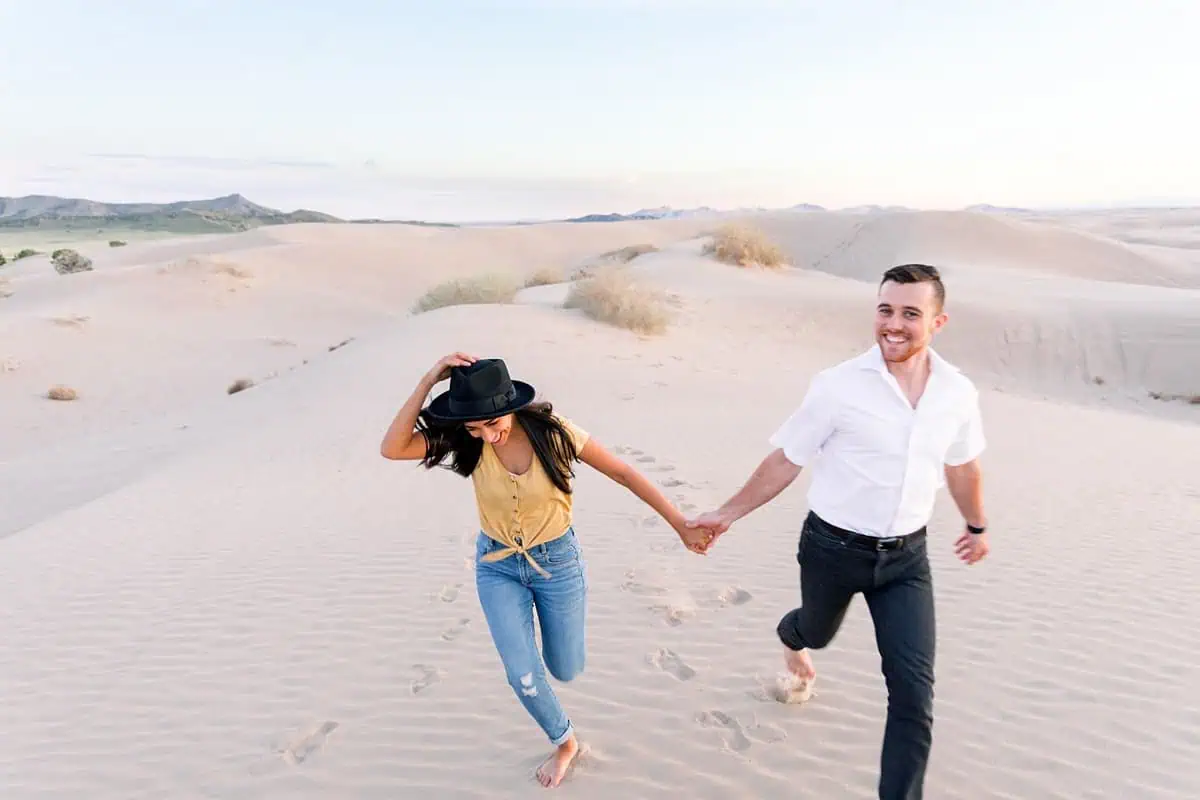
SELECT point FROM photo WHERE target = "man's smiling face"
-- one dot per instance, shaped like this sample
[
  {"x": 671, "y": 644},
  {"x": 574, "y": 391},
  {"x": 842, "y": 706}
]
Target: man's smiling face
[{"x": 906, "y": 318}]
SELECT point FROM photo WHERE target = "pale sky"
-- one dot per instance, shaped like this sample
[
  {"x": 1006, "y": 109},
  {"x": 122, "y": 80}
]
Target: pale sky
[{"x": 469, "y": 110}]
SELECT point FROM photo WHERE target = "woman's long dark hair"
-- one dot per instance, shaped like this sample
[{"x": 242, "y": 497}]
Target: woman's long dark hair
[{"x": 452, "y": 446}]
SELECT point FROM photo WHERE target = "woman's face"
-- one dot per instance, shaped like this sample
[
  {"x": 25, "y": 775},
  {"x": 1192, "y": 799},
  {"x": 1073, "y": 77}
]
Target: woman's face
[{"x": 493, "y": 431}]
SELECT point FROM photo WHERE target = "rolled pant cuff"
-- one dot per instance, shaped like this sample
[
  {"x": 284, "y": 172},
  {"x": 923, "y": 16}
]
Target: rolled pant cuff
[
  {"x": 786, "y": 630},
  {"x": 557, "y": 740}
]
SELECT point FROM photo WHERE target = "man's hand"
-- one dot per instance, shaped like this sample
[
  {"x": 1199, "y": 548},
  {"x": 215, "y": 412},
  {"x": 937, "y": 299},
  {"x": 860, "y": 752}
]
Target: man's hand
[
  {"x": 712, "y": 524},
  {"x": 971, "y": 547}
]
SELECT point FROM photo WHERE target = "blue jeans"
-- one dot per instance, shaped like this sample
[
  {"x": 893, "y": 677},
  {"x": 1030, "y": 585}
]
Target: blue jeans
[{"x": 509, "y": 591}]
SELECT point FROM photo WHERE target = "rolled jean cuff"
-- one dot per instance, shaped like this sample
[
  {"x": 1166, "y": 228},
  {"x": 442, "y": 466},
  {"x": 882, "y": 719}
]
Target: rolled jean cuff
[
  {"x": 556, "y": 741},
  {"x": 786, "y": 630}
]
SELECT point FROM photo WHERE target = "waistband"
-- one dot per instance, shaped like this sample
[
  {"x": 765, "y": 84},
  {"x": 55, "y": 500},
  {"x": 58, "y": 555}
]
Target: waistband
[
  {"x": 518, "y": 546},
  {"x": 863, "y": 541}
]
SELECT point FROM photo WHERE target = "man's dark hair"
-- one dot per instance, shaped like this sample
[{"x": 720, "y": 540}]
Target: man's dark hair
[{"x": 917, "y": 273}]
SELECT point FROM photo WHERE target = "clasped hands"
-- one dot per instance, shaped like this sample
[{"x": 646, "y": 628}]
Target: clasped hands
[{"x": 701, "y": 533}]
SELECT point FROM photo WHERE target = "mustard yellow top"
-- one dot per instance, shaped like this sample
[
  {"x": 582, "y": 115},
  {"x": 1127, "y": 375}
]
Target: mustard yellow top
[{"x": 525, "y": 510}]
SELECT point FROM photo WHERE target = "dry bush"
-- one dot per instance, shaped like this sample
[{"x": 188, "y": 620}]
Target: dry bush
[
  {"x": 621, "y": 256},
  {"x": 744, "y": 246},
  {"x": 483, "y": 289},
  {"x": 627, "y": 254},
  {"x": 544, "y": 276},
  {"x": 67, "y": 261},
  {"x": 611, "y": 296},
  {"x": 60, "y": 392},
  {"x": 241, "y": 384},
  {"x": 232, "y": 270},
  {"x": 1193, "y": 399},
  {"x": 73, "y": 321}
]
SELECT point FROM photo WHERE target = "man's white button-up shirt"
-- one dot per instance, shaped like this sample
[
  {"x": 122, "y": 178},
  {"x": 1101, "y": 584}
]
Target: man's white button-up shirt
[{"x": 877, "y": 462}]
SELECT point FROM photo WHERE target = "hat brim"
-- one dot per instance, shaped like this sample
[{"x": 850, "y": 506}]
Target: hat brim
[{"x": 439, "y": 408}]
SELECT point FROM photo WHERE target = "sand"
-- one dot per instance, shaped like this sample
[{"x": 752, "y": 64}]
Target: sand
[{"x": 206, "y": 594}]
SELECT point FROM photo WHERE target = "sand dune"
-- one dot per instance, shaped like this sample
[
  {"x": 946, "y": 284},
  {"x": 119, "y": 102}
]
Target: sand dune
[
  {"x": 853, "y": 245},
  {"x": 215, "y": 595}
]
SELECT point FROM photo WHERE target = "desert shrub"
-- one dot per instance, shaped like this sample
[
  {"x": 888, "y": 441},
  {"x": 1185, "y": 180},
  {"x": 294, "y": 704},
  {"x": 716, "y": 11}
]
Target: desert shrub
[
  {"x": 240, "y": 385},
  {"x": 744, "y": 246},
  {"x": 117, "y": 243},
  {"x": 544, "y": 276},
  {"x": 627, "y": 254},
  {"x": 612, "y": 297},
  {"x": 67, "y": 261},
  {"x": 483, "y": 289},
  {"x": 3, "y": 260},
  {"x": 26, "y": 253},
  {"x": 60, "y": 392}
]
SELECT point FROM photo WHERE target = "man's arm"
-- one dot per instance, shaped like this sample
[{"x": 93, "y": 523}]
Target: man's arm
[
  {"x": 965, "y": 483},
  {"x": 964, "y": 476}
]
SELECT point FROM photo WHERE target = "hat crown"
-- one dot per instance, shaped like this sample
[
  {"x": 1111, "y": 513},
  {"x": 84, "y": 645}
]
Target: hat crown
[
  {"x": 486, "y": 378},
  {"x": 481, "y": 390}
]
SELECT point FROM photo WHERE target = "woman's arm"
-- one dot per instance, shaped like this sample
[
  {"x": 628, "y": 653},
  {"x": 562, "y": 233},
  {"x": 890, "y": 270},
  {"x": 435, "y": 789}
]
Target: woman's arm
[
  {"x": 402, "y": 442},
  {"x": 596, "y": 456}
]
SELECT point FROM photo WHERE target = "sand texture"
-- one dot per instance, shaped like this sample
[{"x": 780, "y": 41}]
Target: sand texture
[{"x": 215, "y": 595}]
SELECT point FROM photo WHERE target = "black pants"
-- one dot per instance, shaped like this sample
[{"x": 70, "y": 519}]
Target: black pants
[{"x": 898, "y": 587}]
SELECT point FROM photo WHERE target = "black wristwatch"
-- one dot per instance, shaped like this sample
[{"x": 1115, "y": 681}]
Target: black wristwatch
[{"x": 973, "y": 529}]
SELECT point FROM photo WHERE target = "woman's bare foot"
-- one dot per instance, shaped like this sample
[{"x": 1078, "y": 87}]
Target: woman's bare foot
[{"x": 552, "y": 770}]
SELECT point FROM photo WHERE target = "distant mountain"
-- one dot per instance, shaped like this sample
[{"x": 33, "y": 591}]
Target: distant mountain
[
  {"x": 985, "y": 208},
  {"x": 613, "y": 217},
  {"x": 662, "y": 212},
  {"x": 217, "y": 215}
]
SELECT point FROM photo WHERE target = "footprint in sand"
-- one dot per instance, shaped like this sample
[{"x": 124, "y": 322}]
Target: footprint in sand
[
  {"x": 674, "y": 615},
  {"x": 646, "y": 459},
  {"x": 297, "y": 750},
  {"x": 426, "y": 676},
  {"x": 631, "y": 584},
  {"x": 449, "y": 593},
  {"x": 670, "y": 662},
  {"x": 734, "y": 596},
  {"x": 672, "y": 483},
  {"x": 452, "y": 633},
  {"x": 737, "y": 737},
  {"x": 651, "y": 521}
]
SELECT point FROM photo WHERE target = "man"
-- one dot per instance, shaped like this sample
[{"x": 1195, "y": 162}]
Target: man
[{"x": 879, "y": 432}]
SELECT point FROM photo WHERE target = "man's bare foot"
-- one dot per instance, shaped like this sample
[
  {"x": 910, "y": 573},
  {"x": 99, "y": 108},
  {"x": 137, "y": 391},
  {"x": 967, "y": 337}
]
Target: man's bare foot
[
  {"x": 799, "y": 663},
  {"x": 552, "y": 770}
]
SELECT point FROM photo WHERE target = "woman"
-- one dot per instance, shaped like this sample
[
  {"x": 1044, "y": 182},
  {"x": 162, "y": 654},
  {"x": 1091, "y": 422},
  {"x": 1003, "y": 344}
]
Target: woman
[{"x": 519, "y": 456}]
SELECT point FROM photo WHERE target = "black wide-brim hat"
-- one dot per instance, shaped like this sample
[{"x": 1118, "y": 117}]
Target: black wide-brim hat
[{"x": 482, "y": 390}]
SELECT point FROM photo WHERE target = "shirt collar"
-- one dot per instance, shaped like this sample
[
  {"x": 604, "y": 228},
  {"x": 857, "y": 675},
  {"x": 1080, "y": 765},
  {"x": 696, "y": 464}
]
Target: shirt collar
[{"x": 872, "y": 359}]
